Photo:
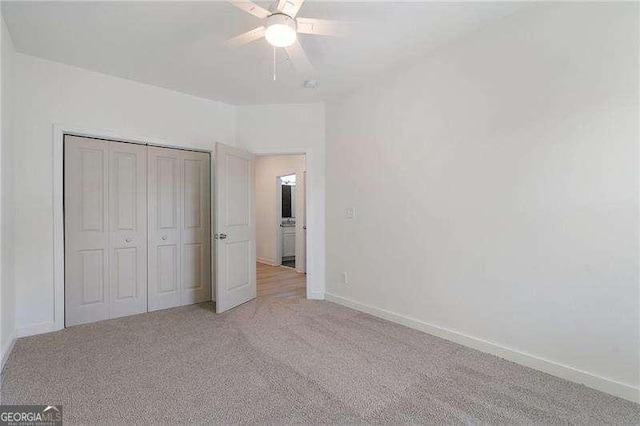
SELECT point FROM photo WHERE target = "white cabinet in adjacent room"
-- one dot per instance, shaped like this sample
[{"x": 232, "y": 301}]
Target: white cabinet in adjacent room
[{"x": 288, "y": 240}]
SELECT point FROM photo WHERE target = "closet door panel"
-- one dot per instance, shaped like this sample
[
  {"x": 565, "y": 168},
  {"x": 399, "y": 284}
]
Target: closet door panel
[
  {"x": 86, "y": 192},
  {"x": 128, "y": 226},
  {"x": 165, "y": 217},
  {"x": 196, "y": 228}
]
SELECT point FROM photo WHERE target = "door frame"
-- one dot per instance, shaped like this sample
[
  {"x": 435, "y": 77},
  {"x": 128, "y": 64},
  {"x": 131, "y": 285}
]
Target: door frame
[
  {"x": 59, "y": 130},
  {"x": 314, "y": 237}
]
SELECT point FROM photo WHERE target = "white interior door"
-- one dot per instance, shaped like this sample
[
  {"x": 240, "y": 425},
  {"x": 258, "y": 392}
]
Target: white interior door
[
  {"x": 128, "y": 228},
  {"x": 86, "y": 222},
  {"x": 165, "y": 218},
  {"x": 235, "y": 228},
  {"x": 196, "y": 228}
]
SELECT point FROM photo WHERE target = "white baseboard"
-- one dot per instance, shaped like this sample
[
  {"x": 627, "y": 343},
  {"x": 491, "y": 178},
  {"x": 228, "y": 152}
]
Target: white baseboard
[
  {"x": 315, "y": 295},
  {"x": 6, "y": 350},
  {"x": 566, "y": 372},
  {"x": 269, "y": 262},
  {"x": 30, "y": 330}
]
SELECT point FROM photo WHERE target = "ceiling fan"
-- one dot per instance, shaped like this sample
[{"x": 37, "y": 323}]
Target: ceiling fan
[{"x": 281, "y": 28}]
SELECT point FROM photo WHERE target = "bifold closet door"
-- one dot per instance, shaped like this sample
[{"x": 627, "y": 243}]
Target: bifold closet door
[
  {"x": 105, "y": 229},
  {"x": 128, "y": 231},
  {"x": 165, "y": 216},
  {"x": 179, "y": 228}
]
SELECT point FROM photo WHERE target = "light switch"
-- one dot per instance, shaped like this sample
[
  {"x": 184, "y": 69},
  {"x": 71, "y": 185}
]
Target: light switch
[{"x": 350, "y": 212}]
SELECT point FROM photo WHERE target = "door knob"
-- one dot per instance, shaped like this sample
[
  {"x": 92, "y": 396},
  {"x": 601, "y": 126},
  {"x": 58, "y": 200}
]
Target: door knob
[
  {"x": 128, "y": 240},
  {"x": 220, "y": 236},
  {"x": 164, "y": 237}
]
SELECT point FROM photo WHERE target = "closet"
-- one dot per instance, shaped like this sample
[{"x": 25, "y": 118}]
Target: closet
[{"x": 137, "y": 228}]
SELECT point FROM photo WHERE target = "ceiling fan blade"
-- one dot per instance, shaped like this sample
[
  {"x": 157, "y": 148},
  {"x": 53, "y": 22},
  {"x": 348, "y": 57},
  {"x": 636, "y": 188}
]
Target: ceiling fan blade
[
  {"x": 247, "y": 37},
  {"x": 323, "y": 27},
  {"x": 290, "y": 7},
  {"x": 299, "y": 58},
  {"x": 281, "y": 5},
  {"x": 251, "y": 8}
]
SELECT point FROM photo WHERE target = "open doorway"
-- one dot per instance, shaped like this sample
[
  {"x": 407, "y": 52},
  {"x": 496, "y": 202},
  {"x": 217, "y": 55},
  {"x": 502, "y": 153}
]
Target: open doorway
[
  {"x": 287, "y": 198},
  {"x": 280, "y": 202}
]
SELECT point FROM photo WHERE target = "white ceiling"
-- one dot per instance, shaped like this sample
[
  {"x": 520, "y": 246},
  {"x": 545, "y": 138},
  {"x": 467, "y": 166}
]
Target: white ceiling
[{"x": 179, "y": 45}]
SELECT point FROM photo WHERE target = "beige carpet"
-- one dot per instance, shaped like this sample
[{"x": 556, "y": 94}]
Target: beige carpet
[{"x": 282, "y": 361}]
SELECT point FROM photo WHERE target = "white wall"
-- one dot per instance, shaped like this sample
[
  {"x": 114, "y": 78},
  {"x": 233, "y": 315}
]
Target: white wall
[
  {"x": 496, "y": 193},
  {"x": 55, "y": 93},
  {"x": 295, "y": 128},
  {"x": 268, "y": 206},
  {"x": 7, "y": 283}
]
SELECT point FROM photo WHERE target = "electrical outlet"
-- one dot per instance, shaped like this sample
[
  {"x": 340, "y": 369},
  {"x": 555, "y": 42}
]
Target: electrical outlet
[
  {"x": 345, "y": 278},
  {"x": 350, "y": 212}
]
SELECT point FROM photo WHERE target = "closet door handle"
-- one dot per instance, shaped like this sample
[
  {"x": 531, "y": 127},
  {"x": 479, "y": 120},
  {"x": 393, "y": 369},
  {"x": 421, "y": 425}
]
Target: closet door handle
[
  {"x": 164, "y": 237},
  {"x": 128, "y": 240}
]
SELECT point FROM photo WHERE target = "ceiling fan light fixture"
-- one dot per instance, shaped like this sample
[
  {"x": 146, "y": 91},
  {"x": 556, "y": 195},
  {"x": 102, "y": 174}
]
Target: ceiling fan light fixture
[{"x": 281, "y": 30}]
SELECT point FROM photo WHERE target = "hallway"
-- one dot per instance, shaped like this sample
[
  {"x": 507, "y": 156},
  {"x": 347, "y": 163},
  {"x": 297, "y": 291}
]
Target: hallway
[{"x": 276, "y": 281}]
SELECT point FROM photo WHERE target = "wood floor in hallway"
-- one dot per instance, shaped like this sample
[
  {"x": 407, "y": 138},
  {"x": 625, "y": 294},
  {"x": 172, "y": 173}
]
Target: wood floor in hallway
[{"x": 277, "y": 281}]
